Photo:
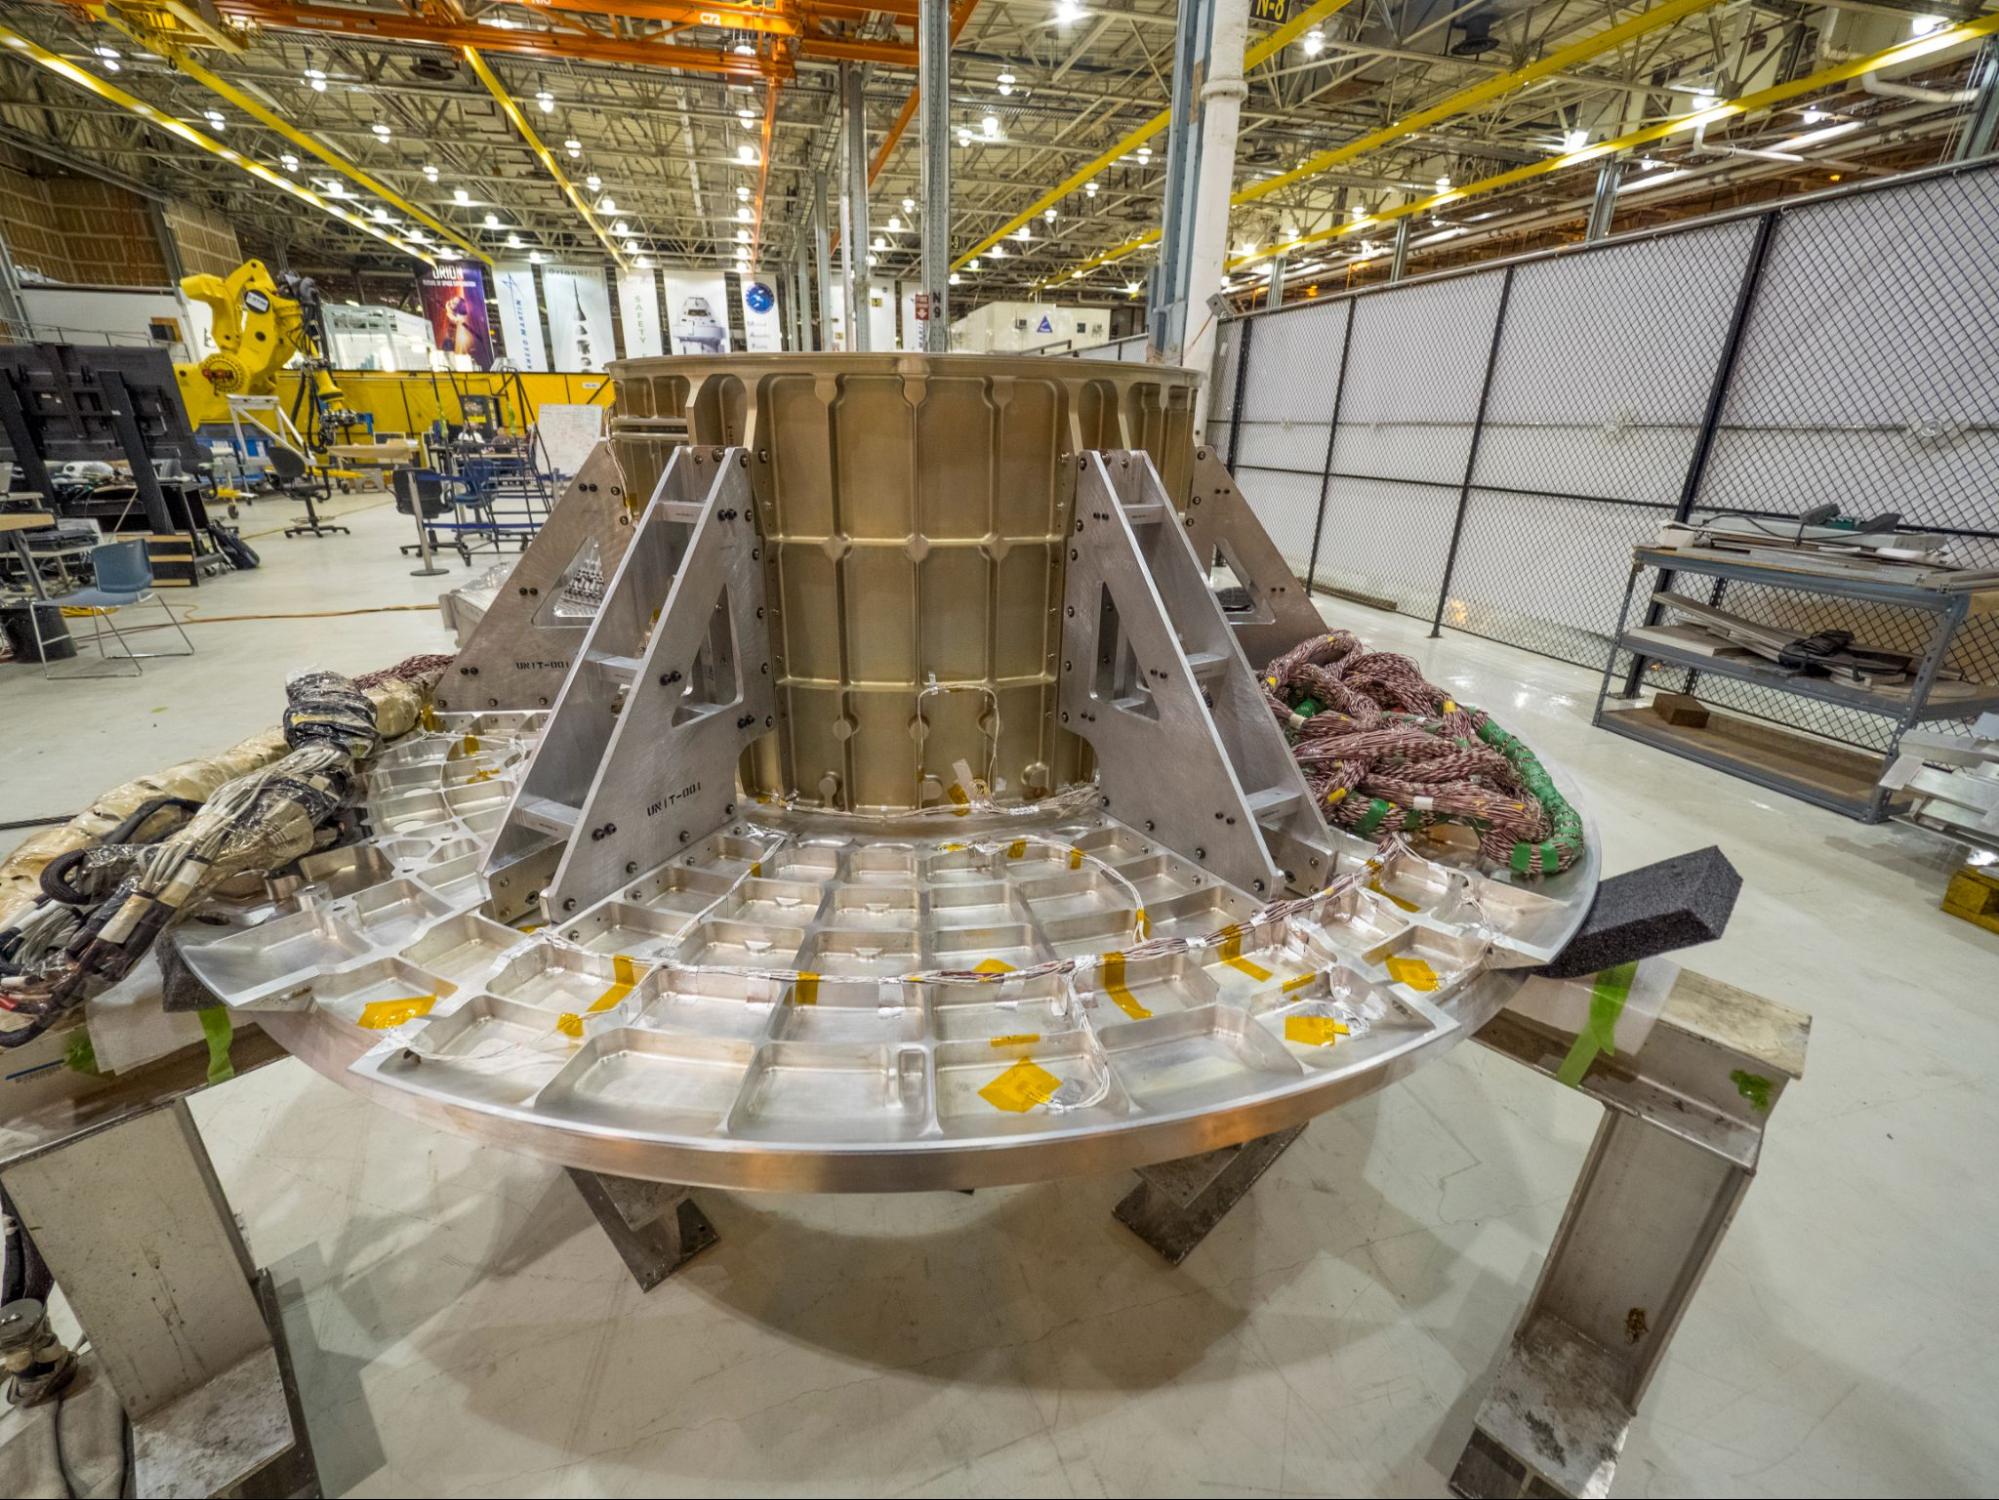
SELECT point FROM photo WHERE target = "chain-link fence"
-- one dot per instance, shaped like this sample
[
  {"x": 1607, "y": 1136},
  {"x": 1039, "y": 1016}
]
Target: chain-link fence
[{"x": 1484, "y": 447}]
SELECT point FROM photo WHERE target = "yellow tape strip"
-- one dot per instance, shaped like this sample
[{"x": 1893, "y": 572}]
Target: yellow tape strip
[
  {"x": 1075, "y": 858},
  {"x": 480, "y": 776},
  {"x": 381, "y": 1015},
  {"x": 470, "y": 744},
  {"x": 806, "y": 990},
  {"x": 1375, "y": 886},
  {"x": 1115, "y": 987},
  {"x": 1020, "y": 1088},
  {"x": 427, "y": 716},
  {"x": 1017, "y": 1039},
  {"x": 1017, "y": 849},
  {"x": 992, "y": 966},
  {"x": 1142, "y": 922},
  {"x": 1231, "y": 954},
  {"x": 756, "y": 867},
  {"x": 1313, "y": 1031},
  {"x": 1414, "y": 972},
  {"x": 1299, "y": 983},
  {"x": 570, "y": 1024},
  {"x": 626, "y": 974},
  {"x": 962, "y": 798}
]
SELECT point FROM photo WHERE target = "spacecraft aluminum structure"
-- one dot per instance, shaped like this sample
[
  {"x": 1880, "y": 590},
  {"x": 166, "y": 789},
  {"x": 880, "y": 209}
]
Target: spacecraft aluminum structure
[{"x": 859, "y": 785}]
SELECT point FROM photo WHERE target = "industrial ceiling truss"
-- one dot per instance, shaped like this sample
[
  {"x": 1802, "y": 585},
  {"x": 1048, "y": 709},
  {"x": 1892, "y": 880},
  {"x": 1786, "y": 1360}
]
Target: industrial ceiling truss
[{"x": 687, "y": 132}]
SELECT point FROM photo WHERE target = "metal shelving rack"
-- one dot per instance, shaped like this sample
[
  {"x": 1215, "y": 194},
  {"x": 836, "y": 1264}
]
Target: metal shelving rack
[{"x": 1834, "y": 776}]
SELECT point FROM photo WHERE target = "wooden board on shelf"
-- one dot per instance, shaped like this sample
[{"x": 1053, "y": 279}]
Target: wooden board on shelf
[{"x": 1833, "y": 771}]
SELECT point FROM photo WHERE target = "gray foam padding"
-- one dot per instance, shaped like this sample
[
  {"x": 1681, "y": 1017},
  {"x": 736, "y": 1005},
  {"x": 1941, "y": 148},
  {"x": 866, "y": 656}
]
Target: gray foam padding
[{"x": 1675, "y": 903}]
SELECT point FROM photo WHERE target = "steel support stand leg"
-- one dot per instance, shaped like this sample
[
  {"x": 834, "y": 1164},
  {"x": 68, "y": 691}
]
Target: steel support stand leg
[
  {"x": 654, "y": 1226},
  {"x": 1176, "y": 1203},
  {"x": 1682, "y": 1130},
  {"x": 137, "y": 1233}
]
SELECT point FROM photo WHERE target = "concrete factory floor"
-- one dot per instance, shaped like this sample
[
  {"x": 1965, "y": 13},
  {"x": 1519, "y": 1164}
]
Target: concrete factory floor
[{"x": 461, "y": 1327}]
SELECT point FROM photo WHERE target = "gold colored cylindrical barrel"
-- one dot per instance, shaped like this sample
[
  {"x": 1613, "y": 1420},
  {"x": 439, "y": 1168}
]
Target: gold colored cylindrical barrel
[{"x": 915, "y": 509}]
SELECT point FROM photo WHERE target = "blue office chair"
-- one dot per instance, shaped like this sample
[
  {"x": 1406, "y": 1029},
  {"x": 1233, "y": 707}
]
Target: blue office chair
[{"x": 124, "y": 578}]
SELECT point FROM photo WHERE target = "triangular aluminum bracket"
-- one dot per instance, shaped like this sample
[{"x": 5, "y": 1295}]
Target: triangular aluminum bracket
[
  {"x": 1280, "y": 613},
  {"x": 1155, "y": 679},
  {"x": 522, "y": 647},
  {"x": 672, "y": 682}
]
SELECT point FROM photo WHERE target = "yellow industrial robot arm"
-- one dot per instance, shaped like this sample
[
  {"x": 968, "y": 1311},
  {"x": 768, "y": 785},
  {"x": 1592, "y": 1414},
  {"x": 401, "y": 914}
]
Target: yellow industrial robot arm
[{"x": 257, "y": 329}]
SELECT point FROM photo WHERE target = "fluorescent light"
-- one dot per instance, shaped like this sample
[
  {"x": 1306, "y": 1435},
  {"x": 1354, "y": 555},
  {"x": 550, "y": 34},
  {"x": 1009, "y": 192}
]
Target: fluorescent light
[
  {"x": 952, "y": 279},
  {"x": 288, "y": 162},
  {"x": 1574, "y": 140},
  {"x": 644, "y": 262},
  {"x": 909, "y": 205},
  {"x": 895, "y": 223},
  {"x": 1653, "y": 179},
  {"x": 381, "y": 215},
  {"x": 607, "y": 204},
  {"x": 743, "y": 215},
  {"x": 879, "y": 244},
  {"x": 743, "y": 193},
  {"x": 1006, "y": 83},
  {"x": 746, "y": 154},
  {"x": 1314, "y": 42},
  {"x": 513, "y": 242},
  {"x": 430, "y": 174},
  {"x": 461, "y": 197},
  {"x": 534, "y": 257},
  {"x": 621, "y": 227},
  {"x": 593, "y": 182},
  {"x": 1815, "y": 137},
  {"x": 381, "y": 129},
  {"x": 1090, "y": 188},
  {"x": 1048, "y": 215},
  {"x": 492, "y": 221},
  {"x": 1924, "y": 25},
  {"x": 989, "y": 127},
  {"x": 573, "y": 146}
]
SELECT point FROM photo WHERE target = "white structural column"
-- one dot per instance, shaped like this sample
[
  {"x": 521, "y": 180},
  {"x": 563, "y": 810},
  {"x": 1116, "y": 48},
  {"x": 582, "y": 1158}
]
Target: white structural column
[
  {"x": 933, "y": 109},
  {"x": 822, "y": 256},
  {"x": 1221, "y": 112},
  {"x": 854, "y": 230}
]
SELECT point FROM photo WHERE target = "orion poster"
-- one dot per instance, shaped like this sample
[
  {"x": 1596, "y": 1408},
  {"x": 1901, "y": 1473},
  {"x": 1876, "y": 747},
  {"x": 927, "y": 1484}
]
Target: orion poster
[
  {"x": 520, "y": 315},
  {"x": 454, "y": 303},
  {"x": 579, "y": 316},
  {"x": 697, "y": 312}
]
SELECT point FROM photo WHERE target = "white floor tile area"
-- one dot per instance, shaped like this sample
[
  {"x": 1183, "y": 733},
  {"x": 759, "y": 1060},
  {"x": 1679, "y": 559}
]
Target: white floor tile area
[{"x": 462, "y": 1328}]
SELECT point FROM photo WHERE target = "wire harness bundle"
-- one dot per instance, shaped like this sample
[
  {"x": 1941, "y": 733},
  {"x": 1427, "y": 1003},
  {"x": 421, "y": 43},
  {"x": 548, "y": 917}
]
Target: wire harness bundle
[
  {"x": 1387, "y": 752},
  {"x": 101, "y": 912}
]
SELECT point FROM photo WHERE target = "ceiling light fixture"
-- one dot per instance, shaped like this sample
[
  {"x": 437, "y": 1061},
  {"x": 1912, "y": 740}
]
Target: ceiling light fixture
[
  {"x": 573, "y": 146},
  {"x": 492, "y": 221},
  {"x": 1314, "y": 42},
  {"x": 462, "y": 198},
  {"x": 1005, "y": 84}
]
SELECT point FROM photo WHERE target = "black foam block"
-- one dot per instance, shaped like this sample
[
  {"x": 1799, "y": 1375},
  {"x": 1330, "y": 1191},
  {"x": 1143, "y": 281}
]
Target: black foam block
[{"x": 1674, "y": 904}]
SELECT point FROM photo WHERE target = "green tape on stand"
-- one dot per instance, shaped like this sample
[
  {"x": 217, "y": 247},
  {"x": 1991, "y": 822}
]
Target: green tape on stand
[
  {"x": 1599, "y": 1034},
  {"x": 220, "y": 1031}
]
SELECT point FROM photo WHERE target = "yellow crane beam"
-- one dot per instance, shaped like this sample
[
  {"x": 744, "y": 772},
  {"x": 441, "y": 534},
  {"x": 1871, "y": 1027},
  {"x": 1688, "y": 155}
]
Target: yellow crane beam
[
  {"x": 1464, "y": 100},
  {"x": 271, "y": 120},
  {"x": 554, "y": 168},
  {"x": 1260, "y": 52},
  {"x": 1941, "y": 40},
  {"x": 19, "y": 46}
]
